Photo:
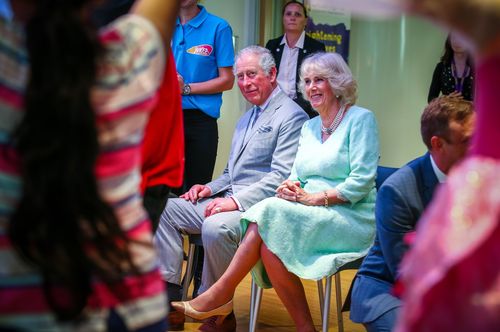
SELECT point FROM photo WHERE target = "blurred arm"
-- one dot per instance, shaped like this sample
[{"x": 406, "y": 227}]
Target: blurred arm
[{"x": 161, "y": 13}]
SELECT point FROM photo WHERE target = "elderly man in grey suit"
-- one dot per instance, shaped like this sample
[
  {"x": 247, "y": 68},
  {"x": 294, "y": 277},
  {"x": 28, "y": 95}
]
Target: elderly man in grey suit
[
  {"x": 446, "y": 126},
  {"x": 262, "y": 152}
]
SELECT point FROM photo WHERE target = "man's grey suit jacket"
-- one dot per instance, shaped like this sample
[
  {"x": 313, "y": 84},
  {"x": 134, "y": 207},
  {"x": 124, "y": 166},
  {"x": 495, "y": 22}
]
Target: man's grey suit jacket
[
  {"x": 261, "y": 156},
  {"x": 400, "y": 202}
]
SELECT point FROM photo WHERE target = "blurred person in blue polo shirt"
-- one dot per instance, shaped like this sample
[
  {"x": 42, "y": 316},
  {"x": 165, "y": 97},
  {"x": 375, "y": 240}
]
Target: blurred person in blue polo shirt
[
  {"x": 5, "y": 10},
  {"x": 204, "y": 56},
  {"x": 203, "y": 50}
]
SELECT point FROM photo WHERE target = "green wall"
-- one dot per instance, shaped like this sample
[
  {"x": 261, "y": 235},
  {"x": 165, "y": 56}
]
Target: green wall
[{"x": 393, "y": 62}]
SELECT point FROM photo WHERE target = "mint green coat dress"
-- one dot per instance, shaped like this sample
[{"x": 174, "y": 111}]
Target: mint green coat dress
[{"x": 313, "y": 241}]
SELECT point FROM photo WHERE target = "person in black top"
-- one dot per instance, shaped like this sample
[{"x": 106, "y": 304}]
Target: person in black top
[
  {"x": 290, "y": 49},
  {"x": 454, "y": 74}
]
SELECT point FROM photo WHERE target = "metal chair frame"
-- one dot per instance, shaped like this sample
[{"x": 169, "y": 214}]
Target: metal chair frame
[{"x": 324, "y": 294}]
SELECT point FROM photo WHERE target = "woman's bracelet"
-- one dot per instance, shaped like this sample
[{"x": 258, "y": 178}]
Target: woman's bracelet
[{"x": 326, "y": 198}]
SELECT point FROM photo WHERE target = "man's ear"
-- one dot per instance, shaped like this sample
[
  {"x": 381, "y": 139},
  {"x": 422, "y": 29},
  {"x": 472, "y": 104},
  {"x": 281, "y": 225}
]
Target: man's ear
[
  {"x": 273, "y": 74},
  {"x": 436, "y": 143}
]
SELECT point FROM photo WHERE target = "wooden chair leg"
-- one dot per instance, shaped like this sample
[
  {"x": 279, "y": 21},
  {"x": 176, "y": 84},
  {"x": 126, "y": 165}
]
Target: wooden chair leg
[{"x": 188, "y": 276}]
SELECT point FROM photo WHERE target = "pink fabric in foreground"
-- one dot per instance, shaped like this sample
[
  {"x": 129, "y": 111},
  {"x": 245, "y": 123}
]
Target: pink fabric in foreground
[
  {"x": 487, "y": 138},
  {"x": 452, "y": 274}
]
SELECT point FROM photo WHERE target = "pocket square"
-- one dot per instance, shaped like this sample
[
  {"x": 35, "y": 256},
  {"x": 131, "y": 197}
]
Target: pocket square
[{"x": 264, "y": 129}]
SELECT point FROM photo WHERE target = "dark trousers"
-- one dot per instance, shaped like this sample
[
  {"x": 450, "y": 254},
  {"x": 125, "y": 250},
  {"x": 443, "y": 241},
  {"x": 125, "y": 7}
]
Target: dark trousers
[
  {"x": 155, "y": 201},
  {"x": 201, "y": 137}
]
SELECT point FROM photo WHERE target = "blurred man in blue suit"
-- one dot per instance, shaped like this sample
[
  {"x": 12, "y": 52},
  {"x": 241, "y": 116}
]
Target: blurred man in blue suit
[{"x": 446, "y": 128}]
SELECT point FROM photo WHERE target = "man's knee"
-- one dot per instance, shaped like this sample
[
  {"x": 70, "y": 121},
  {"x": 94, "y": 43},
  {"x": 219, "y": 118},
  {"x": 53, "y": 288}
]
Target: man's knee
[
  {"x": 179, "y": 215},
  {"x": 174, "y": 207},
  {"x": 164, "y": 224},
  {"x": 212, "y": 232},
  {"x": 218, "y": 232}
]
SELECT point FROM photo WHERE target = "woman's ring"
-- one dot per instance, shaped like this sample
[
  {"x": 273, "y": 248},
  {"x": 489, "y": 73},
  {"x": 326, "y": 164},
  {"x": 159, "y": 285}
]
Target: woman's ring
[{"x": 217, "y": 209}]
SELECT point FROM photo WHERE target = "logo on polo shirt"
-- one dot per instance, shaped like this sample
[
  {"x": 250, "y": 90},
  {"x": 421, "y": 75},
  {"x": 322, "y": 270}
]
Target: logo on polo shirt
[{"x": 203, "y": 50}]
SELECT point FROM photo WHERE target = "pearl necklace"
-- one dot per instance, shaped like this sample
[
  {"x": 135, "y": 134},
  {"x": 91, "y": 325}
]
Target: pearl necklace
[{"x": 335, "y": 123}]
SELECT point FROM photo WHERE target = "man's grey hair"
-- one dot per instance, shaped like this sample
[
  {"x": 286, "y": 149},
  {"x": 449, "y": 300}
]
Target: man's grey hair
[{"x": 266, "y": 60}]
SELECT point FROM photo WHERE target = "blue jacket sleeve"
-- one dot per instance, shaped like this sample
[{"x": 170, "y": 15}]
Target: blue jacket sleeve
[{"x": 394, "y": 219}]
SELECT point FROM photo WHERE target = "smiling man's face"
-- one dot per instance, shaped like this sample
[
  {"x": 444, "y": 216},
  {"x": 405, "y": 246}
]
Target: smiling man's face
[{"x": 255, "y": 85}]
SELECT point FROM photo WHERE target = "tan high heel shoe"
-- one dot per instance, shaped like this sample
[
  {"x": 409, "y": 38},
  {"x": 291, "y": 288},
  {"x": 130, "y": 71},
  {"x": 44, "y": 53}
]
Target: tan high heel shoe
[{"x": 189, "y": 311}]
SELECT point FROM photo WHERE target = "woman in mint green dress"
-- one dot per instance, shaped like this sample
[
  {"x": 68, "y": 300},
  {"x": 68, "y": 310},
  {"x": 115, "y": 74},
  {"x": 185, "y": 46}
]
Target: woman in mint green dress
[{"x": 323, "y": 216}]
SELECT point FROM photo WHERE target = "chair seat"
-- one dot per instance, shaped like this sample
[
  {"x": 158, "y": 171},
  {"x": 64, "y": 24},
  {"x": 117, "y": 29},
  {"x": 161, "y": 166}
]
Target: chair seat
[
  {"x": 195, "y": 239},
  {"x": 353, "y": 265}
]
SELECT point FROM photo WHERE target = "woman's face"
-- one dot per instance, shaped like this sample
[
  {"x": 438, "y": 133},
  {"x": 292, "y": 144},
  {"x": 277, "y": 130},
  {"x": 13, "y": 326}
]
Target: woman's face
[
  {"x": 294, "y": 19},
  {"x": 319, "y": 92},
  {"x": 456, "y": 44}
]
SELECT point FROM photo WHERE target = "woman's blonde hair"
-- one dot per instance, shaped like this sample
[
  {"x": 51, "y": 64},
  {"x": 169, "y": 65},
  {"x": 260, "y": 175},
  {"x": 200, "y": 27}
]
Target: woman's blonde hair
[{"x": 332, "y": 67}]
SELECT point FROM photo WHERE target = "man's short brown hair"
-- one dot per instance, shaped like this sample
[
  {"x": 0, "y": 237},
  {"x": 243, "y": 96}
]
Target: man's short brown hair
[{"x": 439, "y": 113}]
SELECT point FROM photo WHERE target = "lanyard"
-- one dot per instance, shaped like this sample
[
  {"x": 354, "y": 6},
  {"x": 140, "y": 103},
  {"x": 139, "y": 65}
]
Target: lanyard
[{"x": 459, "y": 80}]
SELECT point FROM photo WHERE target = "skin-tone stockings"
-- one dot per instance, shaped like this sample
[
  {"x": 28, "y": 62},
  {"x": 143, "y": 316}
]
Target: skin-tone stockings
[{"x": 288, "y": 286}]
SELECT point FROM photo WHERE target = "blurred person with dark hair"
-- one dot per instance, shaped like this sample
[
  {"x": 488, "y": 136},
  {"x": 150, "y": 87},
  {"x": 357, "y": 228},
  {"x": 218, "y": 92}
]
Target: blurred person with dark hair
[
  {"x": 290, "y": 49},
  {"x": 454, "y": 74},
  {"x": 76, "y": 244}
]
